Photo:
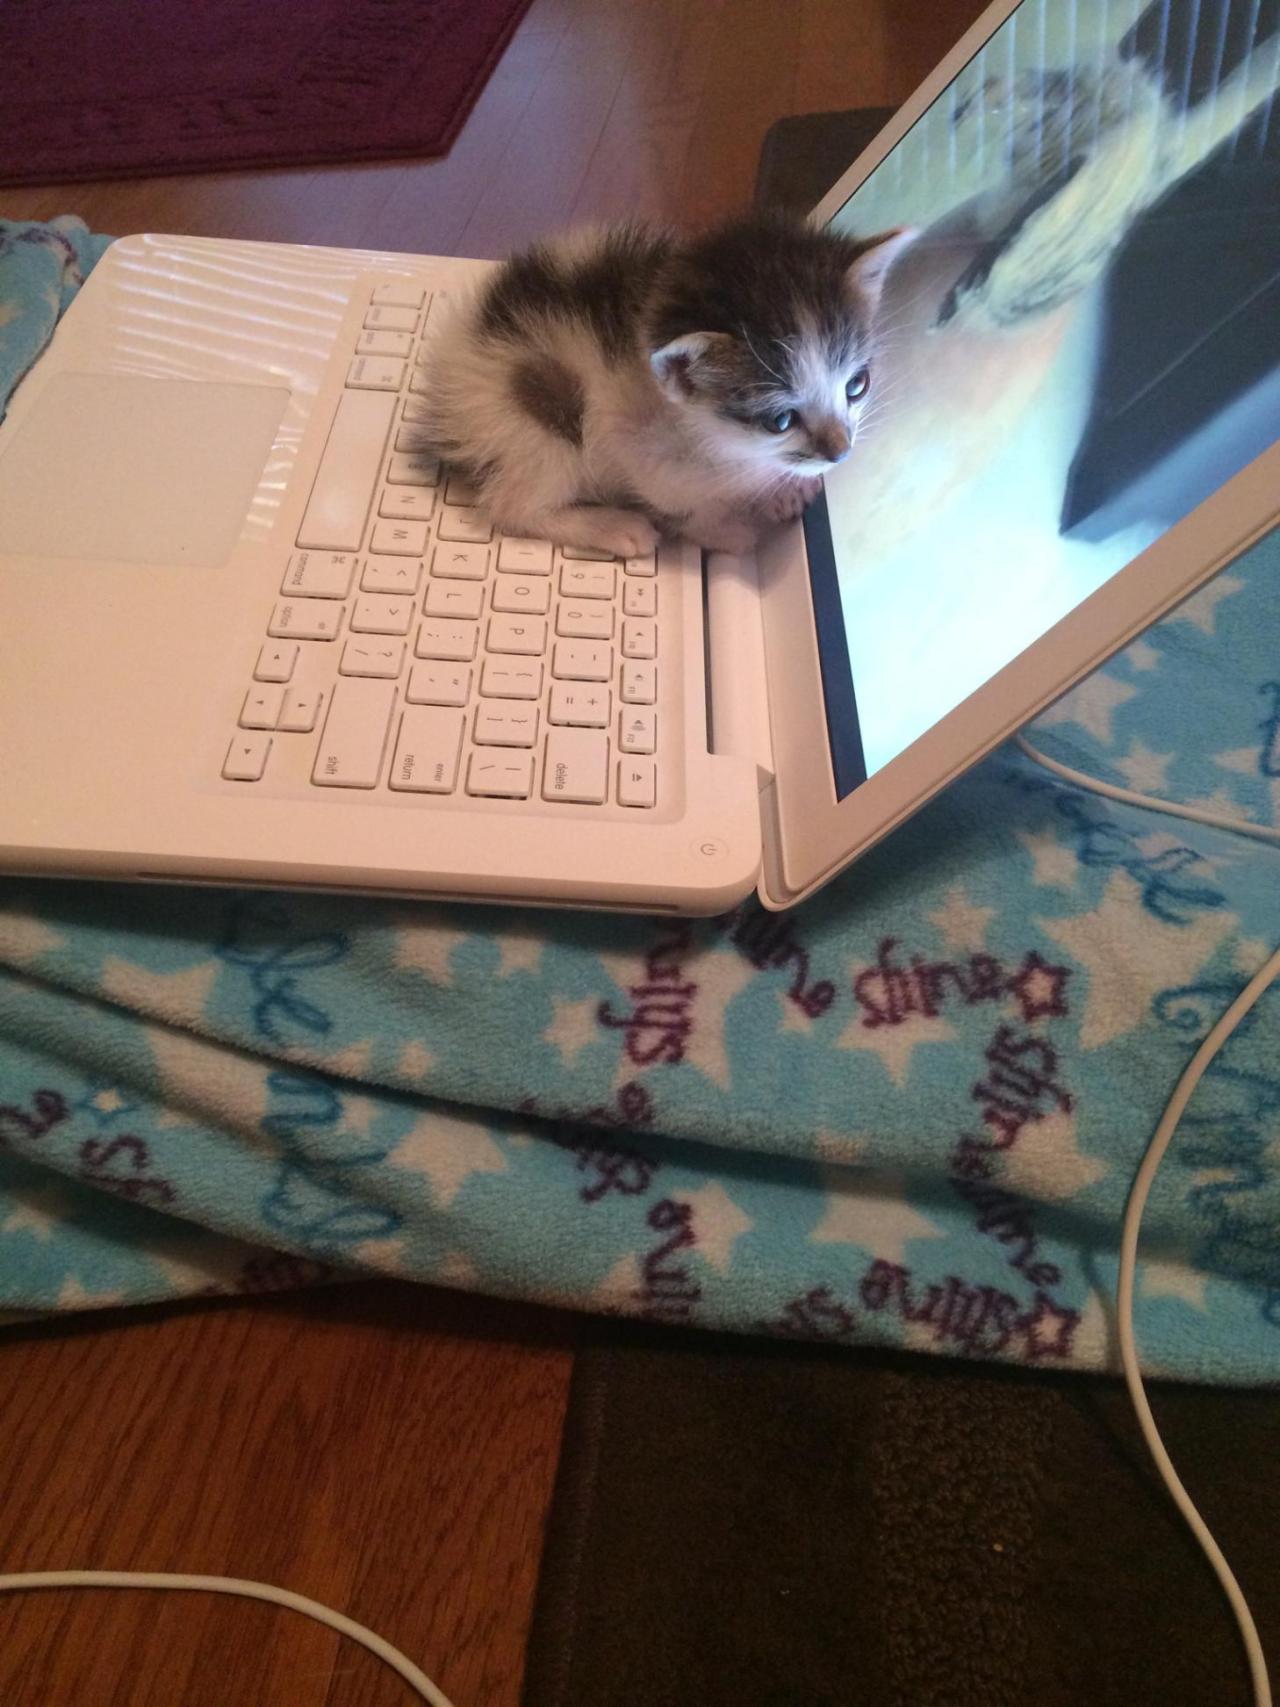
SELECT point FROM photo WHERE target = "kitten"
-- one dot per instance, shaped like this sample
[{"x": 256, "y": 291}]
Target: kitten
[{"x": 614, "y": 385}]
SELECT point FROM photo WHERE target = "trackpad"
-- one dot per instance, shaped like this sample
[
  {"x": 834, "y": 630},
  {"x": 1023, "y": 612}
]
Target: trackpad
[{"x": 140, "y": 470}]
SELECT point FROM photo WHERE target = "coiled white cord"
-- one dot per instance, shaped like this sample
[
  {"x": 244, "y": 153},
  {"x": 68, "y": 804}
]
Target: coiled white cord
[{"x": 417, "y": 1680}]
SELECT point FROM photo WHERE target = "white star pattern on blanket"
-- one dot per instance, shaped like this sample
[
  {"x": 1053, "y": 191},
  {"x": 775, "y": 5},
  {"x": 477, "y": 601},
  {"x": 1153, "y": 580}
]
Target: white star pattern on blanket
[
  {"x": 895, "y": 1044},
  {"x": 1055, "y": 864},
  {"x": 1144, "y": 771},
  {"x": 869, "y": 1208},
  {"x": 573, "y": 1028},
  {"x": 1201, "y": 609},
  {"x": 447, "y": 1150},
  {"x": 963, "y": 926},
  {"x": 1127, "y": 955},
  {"x": 717, "y": 1224},
  {"x": 1091, "y": 705}
]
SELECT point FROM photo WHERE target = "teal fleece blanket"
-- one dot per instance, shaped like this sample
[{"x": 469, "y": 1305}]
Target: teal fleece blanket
[{"x": 906, "y": 1113}]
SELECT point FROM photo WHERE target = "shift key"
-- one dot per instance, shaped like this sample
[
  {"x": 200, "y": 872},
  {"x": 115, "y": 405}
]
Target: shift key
[{"x": 355, "y": 733}]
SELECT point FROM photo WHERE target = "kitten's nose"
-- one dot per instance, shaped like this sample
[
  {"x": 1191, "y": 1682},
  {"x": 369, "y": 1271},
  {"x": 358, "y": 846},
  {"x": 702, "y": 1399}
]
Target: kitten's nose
[{"x": 832, "y": 442}]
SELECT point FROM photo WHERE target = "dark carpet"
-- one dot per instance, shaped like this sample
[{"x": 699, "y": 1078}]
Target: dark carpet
[
  {"x": 117, "y": 88},
  {"x": 739, "y": 1523}
]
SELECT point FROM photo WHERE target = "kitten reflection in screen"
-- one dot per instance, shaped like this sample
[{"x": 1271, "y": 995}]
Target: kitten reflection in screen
[{"x": 615, "y": 385}]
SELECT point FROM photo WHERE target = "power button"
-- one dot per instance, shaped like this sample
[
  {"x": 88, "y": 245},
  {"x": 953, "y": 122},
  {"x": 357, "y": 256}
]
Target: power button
[{"x": 710, "y": 847}]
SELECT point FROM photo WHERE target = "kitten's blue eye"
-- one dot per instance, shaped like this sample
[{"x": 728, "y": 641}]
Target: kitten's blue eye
[
  {"x": 859, "y": 385},
  {"x": 781, "y": 422}
]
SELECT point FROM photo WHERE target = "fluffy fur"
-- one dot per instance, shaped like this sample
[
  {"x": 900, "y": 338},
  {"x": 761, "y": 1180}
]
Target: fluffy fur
[{"x": 614, "y": 385}]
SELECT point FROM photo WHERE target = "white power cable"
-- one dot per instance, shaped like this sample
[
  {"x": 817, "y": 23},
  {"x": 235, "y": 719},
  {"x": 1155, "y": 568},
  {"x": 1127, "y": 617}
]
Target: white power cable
[
  {"x": 417, "y": 1680},
  {"x": 1131, "y": 1227}
]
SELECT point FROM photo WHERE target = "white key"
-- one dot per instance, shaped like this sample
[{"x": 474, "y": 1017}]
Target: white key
[
  {"x": 576, "y": 766},
  {"x": 399, "y": 539},
  {"x": 261, "y": 708},
  {"x": 637, "y": 782},
  {"x": 580, "y": 661},
  {"x": 401, "y": 294},
  {"x": 510, "y": 594},
  {"x": 418, "y": 380},
  {"x": 525, "y": 556},
  {"x": 441, "y": 637},
  {"x": 246, "y": 758},
  {"x": 355, "y": 734},
  {"x": 414, "y": 502},
  {"x": 372, "y": 657},
  {"x": 427, "y": 750},
  {"x": 517, "y": 634},
  {"x": 414, "y": 439},
  {"x": 502, "y": 680},
  {"x": 407, "y": 468},
  {"x": 584, "y": 705},
  {"x": 339, "y": 502},
  {"x": 639, "y": 683},
  {"x": 384, "y": 343},
  {"x": 383, "y": 317},
  {"x": 592, "y": 621},
  {"x": 587, "y": 581},
  {"x": 498, "y": 775},
  {"x": 459, "y": 523},
  {"x": 646, "y": 565},
  {"x": 436, "y": 307},
  {"x": 391, "y": 575},
  {"x": 453, "y": 598},
  {"x": 381, "y": 613},
  {"x": 439, "y": 684},
  {"x": 640, "y": 598},
  {"x": 301, "y": 709},
  {"x": 586, "y": 554},
  {"x": 460, "y": 562},
  {"x": 415, "y": 410},
  {"x": 305, "y": 619},
  {"x": 638, "y": 730},
  {"x": 460, "y": 491},
  {"x": 375, "y": 373},
  {"x": 506, "y": 725},
  {"x": 275, "y": 662},
  {"x": 639, "y": 638},
  {"x": 319, "y": 574}
]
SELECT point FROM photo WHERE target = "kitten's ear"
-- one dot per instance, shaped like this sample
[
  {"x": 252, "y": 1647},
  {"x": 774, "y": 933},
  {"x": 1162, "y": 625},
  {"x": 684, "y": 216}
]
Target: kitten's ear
[
  {"x": 683, "y": 366},
  {"x": 869, "y": 271}
]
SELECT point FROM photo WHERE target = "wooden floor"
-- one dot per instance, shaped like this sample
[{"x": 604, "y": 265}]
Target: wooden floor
[{"x": 386, "y": 1449}]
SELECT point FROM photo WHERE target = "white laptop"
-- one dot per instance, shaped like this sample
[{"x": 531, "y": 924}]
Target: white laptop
[{"x": 246, "y": 638}]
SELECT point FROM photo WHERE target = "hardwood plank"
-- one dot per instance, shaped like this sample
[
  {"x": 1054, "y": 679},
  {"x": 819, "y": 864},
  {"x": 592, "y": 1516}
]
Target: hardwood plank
[{"x": 386, "y": 1449}]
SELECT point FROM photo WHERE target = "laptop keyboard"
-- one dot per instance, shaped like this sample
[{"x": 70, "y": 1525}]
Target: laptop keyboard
[{"x": 417, "y": 650}]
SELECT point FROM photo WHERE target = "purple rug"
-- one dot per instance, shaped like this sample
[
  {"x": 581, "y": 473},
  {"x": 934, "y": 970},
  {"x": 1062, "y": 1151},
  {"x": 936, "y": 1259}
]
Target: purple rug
[{"x": 123, "y": 88}]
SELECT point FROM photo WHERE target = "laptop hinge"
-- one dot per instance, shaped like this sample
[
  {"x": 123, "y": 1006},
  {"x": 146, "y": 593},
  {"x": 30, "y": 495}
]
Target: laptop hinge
[{"x": 738, "y": 698}]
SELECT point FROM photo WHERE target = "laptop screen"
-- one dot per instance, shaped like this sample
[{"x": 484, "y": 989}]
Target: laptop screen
[{"x": 1079, "y": 344}]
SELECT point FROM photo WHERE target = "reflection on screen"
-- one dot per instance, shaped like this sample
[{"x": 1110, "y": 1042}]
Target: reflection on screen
[{"x": 1080, "y": 345}]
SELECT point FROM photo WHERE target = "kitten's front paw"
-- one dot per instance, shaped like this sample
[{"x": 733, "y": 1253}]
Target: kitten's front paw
[
  {"x": 791, "y": 500},
  {"x": 626, "y": 533}
]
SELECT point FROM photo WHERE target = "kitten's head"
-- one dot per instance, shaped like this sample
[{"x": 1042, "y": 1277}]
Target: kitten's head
[{"x": 762, "y": 333}]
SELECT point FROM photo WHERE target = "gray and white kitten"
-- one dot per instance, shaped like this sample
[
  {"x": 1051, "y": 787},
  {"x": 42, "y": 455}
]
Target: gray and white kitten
[{"x": 613, "y": 385}]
